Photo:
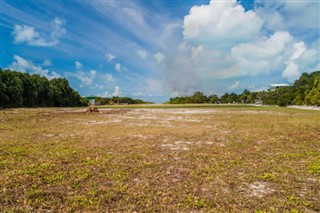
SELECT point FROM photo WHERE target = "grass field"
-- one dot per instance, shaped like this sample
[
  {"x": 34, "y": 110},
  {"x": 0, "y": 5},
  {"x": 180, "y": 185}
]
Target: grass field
[{"x": 160, "y": 159}]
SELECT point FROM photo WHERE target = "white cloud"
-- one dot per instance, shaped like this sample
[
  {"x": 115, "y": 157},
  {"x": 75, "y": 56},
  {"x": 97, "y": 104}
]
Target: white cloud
[
  {"x": 299, "y": 49},
  {"x": 117, "y": 91},
  {"x": 117, "y": 67},
  {"x": 262, "y": 56},
  {"x": 109, "y": 77},
  {"x": 85, "y": 78},
  {"x": 24, "y": 33},
  {"x": 235, "y": 85},
  {"x": 142, "y": 54},
  {"x": 221, "y": 23},
  {"x": 309, "y": 60},
  {"x": 23, "y": 65},
  {"x": 210, "y": 32},
  {"x": 57, "y": 29},
  {"x": 263, "y": 48},
  {"x": 78, "y": 65},
  {"x": 110, "y": 57},
  {"x": 28, "y": 34},
  {"x": 291, "y": 72},
  {"x": 223, "y": 41},
  {"x": 159, "y": 57}
]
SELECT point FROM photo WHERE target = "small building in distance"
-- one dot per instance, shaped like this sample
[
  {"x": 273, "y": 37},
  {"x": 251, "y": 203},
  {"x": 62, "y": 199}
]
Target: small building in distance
[
  {"x": 92, "y": 101},
  {"x": 273, "y": 87}
]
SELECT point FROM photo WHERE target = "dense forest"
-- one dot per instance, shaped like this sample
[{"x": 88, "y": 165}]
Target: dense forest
[
  {"x": 304, "y": 91},
  {"x": 19, "y": 89}
]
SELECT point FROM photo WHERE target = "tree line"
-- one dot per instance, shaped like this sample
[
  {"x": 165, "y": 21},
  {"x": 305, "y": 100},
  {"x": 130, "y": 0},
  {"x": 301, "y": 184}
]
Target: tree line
[
  {"x": 118, "y": 100},
  {"x": 19, "y": 89},
  {"x": 304, "y": 91}
]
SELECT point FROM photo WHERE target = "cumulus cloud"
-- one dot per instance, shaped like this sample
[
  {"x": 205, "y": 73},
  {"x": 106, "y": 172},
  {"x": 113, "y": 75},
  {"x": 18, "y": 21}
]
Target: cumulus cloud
[
  {"x": 23, "y": 65},
  {"x": 29, "y": 35},
  {"x": 109, "y": 77},
  {"x": 262, "y": 56},
  {"x": 309, "y": 59},
  {"x": 159, "y": 57},
  {"x": 117, "y": 91},
  {"x": 299, "y": 49},
  {"x": 110, "y": 57},
  {"x": 221, "y": 23},
  {"x": 25, "y": 33},
  {"x": 292, "y": 70},
  {"x": 142, "y": 54},
  {"x": 222, "y": 41},
  {"x": 209, "y": 33}
]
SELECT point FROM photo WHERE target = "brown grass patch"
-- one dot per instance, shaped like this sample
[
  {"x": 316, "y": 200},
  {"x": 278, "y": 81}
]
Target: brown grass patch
[{"x": 160, "y": 160}]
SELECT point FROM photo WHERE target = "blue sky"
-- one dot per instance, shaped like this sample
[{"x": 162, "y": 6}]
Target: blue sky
[{"x": 156, "y": 49}]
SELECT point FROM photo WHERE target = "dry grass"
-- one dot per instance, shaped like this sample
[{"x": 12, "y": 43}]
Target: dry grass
[{"x": 226, "y": 159}]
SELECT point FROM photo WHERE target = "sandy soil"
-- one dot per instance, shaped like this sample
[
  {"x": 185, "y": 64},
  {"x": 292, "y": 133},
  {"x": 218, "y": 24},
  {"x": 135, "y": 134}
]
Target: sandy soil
[{"x": 305, "y": 107}]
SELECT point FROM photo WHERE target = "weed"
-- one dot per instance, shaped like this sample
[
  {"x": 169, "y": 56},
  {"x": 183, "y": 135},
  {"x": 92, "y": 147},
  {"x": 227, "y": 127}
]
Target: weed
[
  {"x": 314, "y": 168},
  {"x": 268, "y": 176}
]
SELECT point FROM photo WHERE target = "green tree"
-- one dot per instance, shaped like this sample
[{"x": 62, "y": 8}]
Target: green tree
[
  {"x": 199, "y": 97},
  {"x": 12, "y": 89},
  {"x": 303, "y": 85},
  {"x": 61, "y": 94},
  {"x": 213, "y": 98},
  {"x": 42, "y": 89},
  {"x": 313, "y": 96}
]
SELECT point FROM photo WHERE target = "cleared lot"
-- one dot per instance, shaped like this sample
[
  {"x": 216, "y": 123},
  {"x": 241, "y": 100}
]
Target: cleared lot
[{"x": 218, "y": 159}]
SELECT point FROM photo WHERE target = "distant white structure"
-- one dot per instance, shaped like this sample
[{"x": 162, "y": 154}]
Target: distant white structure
[{"x": 273, "y": 87}]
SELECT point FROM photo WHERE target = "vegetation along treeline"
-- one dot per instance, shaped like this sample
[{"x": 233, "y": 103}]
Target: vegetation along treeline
[
  {"x": 19, "y": 89},
  {"x": 119, "y": 100},
  {"x": 304, "y": 91}
]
